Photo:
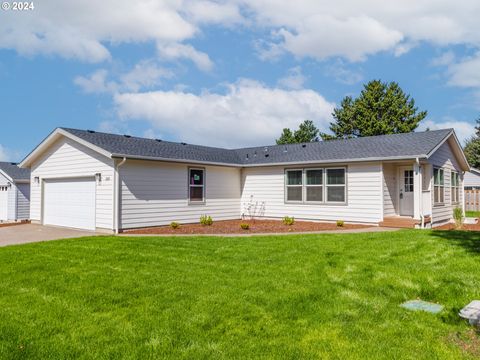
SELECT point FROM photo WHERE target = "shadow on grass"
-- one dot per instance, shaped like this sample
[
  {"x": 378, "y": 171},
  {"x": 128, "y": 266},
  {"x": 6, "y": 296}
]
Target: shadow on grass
[{"x": 469, "y": 240}]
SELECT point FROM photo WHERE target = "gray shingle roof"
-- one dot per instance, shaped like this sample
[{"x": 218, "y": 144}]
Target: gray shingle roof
[
  {"x": 14, "y": 172},
  {"x": 408, "y": 145}
]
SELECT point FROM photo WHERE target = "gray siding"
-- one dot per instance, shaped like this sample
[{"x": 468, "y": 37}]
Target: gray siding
[
  {"x": 156, "y": 193},
  {"x": 472, "y": 180},
  {"x": 444, "y": 158},
  {"x": 23, "y": 201}
]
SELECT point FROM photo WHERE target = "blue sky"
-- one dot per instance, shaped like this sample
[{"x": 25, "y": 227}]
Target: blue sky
[{"x": 227, "y": 73}]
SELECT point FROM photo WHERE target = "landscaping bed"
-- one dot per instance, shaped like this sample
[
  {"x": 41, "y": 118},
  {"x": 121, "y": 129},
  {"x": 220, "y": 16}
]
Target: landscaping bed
[
  {"x": 14, "y": 223},
  {"x": 254, "y": 226}
]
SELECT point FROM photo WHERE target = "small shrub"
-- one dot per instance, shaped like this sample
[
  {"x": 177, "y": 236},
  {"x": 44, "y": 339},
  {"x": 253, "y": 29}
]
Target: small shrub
[
  {"x": 458, "y": 217},
  {"x": 287, "y": 220},
  {"x": 245, "y": 226},
  {"x": 206, "y": 220},
  {"x": 174, "y": 225},
  {"x": 340, "y": 223}
]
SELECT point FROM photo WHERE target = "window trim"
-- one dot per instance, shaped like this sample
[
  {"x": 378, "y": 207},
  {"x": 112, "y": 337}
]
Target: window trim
[
  {"x": 455, "y": 188},
  {"x": 286, "y": 186},
  {"x": 324, "y": 186},
  {"x": 438, "y": 204},
  {"x": 204, "y": 186}
]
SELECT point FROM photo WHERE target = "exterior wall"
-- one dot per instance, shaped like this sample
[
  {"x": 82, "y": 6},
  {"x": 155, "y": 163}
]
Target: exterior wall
[
  {"x": 12, "y": 202},
  {"x": 4, "y": 182},
  {"x": 23, "y": 201},
  {"x": 472, "y": 180},
  {"x": 156, "y": 193},
  {"x": 390, "y": 198},
  {"x": 68, "y": 159},
  {"x": 444, "y": 158},
  {"x": 263, "y": 192}
]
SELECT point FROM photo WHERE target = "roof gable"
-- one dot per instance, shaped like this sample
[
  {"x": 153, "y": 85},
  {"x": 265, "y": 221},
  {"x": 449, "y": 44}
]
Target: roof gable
[{"x": 14, "y": 173}]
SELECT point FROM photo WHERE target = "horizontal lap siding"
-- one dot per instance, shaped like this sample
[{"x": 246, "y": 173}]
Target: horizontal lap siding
[
  {"x": 389, "y": 189},
  {"x": 23, "y": 201},
  {"x": 472, "y": 180},
  {"x": 444, "y": 158},
  {"x": 66, "y": 159},
  {"x": 156, "y": 193},
  {"x": 263, "y": 194}
]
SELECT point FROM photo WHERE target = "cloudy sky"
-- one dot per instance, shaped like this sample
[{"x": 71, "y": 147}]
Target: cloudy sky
[{"x": 227, "y": 73}]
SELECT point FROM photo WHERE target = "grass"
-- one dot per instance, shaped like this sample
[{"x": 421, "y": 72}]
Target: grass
[
  {"x": 289, "y": 297},
  {"x": 475, "y": 214}
]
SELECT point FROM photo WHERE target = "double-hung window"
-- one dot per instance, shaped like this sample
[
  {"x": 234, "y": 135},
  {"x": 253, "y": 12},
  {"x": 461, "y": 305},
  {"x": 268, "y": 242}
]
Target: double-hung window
[
  {"x": 196, "y": 185},
  {"x": 336, "y": 185},
  {"x": 455, "y": 187},
  {"x": 316, "y": 185},
  {"x": 294, "y": 185},
  {"x": 438, "y": 186}
]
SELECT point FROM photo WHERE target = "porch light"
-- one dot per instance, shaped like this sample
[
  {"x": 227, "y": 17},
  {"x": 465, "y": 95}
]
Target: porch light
[
  {"x": 9, "y": 184},
  {"x": 98, "y": 177},
  {"x": 36, "y": 180}
]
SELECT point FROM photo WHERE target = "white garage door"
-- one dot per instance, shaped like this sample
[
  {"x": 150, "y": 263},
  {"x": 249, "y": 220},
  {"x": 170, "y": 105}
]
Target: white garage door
[
  {"x": 69, "y": 203},
  {"x": 3, "y": 203}
]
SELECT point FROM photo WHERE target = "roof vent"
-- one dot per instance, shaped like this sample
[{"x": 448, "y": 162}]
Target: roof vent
[
  {"x": 91, "y": 131},
  {"x": 255, "y": 154},
  {"x": 13, "y": 163},
  {"x": 128, "y": 136},
  {"x": 304, "y": 145},
  {"x": 285, "y": 150},
  {"x": 246, "y": 158},
  {"x": 158, "y": 140},
  {"x": 267, "y": 155},
  {"x": 183, "y": 143},
  {"x": 265, "y": 149}
]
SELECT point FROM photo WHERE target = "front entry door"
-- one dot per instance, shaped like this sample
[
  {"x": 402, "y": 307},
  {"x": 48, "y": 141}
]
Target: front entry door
[{"x": 406, "y": 191}]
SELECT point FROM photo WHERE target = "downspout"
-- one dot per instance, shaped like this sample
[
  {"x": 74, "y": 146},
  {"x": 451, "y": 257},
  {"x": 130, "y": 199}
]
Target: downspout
[
  {"x": 422, "y": 217},
  {"x": 116, "y": 198}
]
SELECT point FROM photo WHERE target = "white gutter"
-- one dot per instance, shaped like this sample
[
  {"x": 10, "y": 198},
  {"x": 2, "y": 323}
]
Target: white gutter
[{"x": 116, "y": 196}]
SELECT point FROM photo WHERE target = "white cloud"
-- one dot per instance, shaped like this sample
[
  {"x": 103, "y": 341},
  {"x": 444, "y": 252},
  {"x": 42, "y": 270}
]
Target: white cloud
[
  {"x": 294, "y": 79},
  {"x": 249, "y": 113},
  {"x": 465, "y": 73},
  {"x": 463, "y": 129},
  {"x": 145, "y": 74},
  {"x": 176, "y": 51},
  {"x": 3, "y": 154},
  {"x": 445, "y": 59},
  {"x": 343, "y": 73}
]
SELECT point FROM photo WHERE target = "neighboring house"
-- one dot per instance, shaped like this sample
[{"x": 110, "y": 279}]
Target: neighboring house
[
  {"x": 91, "y": 180},
  {"x": 14, "y": 192},
  {"x": 472, "y": 179}
]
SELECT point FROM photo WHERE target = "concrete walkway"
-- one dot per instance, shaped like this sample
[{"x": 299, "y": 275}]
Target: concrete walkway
[
  {"x": 347, "y": 231},
  {"x": 28, "y": 233}
]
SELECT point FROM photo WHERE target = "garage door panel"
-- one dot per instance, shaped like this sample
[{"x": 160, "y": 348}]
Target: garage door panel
[{"x": 70, "y": 203}]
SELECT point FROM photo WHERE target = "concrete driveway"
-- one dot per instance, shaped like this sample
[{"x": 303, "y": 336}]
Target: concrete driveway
[{"x": 28, "y": 233}]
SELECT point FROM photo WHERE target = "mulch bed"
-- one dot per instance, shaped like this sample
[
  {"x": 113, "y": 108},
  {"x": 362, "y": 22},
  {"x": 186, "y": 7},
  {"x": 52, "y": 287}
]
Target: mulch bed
[
  {"x": 256, "y": 226},
  {"x": 14, "y": 223},
  {"x": 468, "y": 227}
]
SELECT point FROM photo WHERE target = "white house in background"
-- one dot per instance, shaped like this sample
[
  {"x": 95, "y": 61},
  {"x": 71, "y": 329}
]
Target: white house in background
[
  {"x": 91, "y": 180},
  {"x": 472, "y": 179},
  {"x": 14, "y": 192}
]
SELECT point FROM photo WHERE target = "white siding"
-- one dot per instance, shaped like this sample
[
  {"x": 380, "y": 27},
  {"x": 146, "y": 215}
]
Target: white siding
[
  {"x": 390, "y": 198},
  {"x": 263, "y": 190},
  {"x": 4, "y": 182},
  {"x": 12, "y": 202},
  {"x": 444, "y": 158},
  {"x": 23, "y": 201},
  {"x": 67, "y": 159},
  {"x": 156, "y": 193}
]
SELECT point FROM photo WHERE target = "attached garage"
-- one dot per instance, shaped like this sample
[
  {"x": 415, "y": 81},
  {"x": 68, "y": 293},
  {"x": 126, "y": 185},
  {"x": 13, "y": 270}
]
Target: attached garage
[{"x": 70, "y": 203}]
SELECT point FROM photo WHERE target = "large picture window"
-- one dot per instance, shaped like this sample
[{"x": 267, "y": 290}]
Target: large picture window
[
  {"x": 312, "y": 185},
  {"x": 455, "y": 187},
  {"x": 438, "y": 187},
  {"x": 196, "y": 185}
]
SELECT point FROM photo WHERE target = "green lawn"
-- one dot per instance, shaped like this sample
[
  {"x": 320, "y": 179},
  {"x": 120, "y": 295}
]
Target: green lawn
[
  {"x": 285, "y": 297},
  {"x": 472, "y": 214}
]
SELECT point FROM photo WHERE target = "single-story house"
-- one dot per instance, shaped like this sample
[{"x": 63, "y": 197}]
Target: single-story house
[
  {"x": 93, "y": 180},
  {"x": 14, "y": 192},
  {"x": 472, "y": 179}
]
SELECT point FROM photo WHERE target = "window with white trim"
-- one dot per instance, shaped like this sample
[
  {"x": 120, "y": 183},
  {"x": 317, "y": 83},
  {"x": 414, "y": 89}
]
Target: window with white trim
[
  {"x": 336, "y": 185},
  {"x": 438, "y": 186},
  {"x": 196, "y": 185},
  {"x": 294, "y": 185},
  {"x": 455, "y": 187},
  {"x": 316, "y": 185}
]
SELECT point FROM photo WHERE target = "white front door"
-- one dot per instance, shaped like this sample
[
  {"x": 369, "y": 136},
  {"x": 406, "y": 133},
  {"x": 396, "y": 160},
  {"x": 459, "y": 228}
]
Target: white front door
[
  {"x": 406, "y": 191},
  {"x": 69, "y": 203},
  {"x": 3, "y": 203}
]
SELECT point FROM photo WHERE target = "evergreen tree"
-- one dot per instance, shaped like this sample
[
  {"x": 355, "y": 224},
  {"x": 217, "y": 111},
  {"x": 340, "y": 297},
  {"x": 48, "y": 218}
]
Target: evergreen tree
[{"x": 306, "y": 132}]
